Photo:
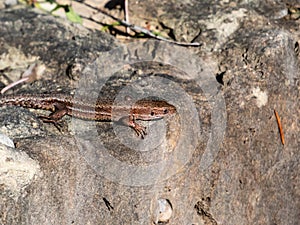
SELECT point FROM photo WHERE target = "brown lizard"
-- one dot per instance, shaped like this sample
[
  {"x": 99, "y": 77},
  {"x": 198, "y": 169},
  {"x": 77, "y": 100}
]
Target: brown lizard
[{"x": 103, "y": 110}]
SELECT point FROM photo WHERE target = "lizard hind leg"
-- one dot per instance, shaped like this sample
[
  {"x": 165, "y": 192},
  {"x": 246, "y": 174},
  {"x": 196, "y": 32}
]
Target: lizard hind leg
[{"x": 55, "y": 118}]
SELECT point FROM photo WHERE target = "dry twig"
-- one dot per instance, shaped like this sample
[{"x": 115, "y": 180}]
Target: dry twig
[
  {"x": 279, "y": 127},
  {"x": 126, "y": 13},
  {"x": 34, "y": 72},
  {"x": 138, "y": 29}
]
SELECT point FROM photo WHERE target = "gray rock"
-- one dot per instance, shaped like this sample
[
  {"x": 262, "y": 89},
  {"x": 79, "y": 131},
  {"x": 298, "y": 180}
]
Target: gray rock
[{"x": 237, "y": 170}]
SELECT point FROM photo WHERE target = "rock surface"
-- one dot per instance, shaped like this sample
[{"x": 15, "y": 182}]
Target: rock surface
[{"x": 230, "y": 167}]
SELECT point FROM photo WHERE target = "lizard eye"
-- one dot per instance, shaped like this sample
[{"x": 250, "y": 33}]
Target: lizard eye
[
  {"x": 152, "y": 113},
  {"x": 166, "y": 111}
]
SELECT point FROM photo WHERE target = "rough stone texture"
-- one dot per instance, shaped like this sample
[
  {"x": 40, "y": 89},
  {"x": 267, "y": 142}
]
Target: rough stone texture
[
  {"x": 252, "y": 48},
  {"x": 76, "y": 47}
]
